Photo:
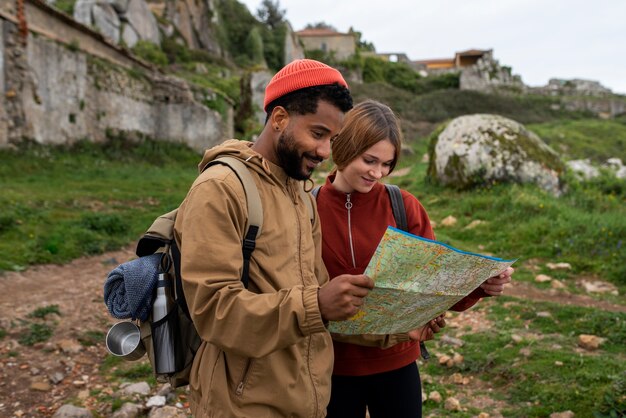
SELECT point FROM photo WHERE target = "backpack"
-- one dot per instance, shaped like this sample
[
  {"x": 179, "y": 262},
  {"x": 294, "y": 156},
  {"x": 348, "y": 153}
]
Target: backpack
[
  {"x": 177, "y": 325},
  {"x": 399, "y": 214}
]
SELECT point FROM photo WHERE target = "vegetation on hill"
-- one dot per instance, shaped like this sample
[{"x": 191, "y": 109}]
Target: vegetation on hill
[
  {"x": 595, "y": 139},
  {"x": 442, "y": 104}
]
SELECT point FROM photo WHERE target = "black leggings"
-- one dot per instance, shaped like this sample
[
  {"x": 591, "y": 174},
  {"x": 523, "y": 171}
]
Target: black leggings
[{"x": 394, "y": 394}]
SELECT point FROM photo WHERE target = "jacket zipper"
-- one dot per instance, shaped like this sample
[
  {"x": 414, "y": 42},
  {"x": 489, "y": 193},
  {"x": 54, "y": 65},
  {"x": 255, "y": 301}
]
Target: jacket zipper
[
  {"x": 244, "y": 377},
  {"x": 348, "y": 207},
  {"x": 308, "y": 348}
]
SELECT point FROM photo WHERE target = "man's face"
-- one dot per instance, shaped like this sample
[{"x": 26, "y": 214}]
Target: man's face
[{"x": 305, "y": 142}]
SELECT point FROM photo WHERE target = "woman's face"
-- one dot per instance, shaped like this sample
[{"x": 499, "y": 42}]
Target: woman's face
[{"x": 364, "y": 171}]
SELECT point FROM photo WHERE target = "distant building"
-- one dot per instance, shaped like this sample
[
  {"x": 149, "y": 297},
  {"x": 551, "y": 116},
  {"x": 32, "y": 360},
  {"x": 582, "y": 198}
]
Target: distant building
[
  {"x": 341, "y": 45},
  {"x": 461, "y": 60}
]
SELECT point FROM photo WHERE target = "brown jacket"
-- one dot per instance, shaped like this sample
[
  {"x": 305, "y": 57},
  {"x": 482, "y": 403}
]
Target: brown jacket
[{"x": 265, "y": 350}]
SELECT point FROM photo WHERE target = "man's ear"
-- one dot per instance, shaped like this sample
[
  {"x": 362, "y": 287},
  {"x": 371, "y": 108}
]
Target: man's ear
[{"x": 279, "y": 119}]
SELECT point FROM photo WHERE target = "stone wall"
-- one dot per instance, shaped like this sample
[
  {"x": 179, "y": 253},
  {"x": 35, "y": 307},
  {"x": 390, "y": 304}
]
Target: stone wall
[
  {"x": 66, "y": 83},
  {"x": 603, "y": 107},
  {"x": 343, "y": 45}
]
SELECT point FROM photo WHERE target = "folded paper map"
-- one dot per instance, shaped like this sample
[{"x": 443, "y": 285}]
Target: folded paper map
[{"x": 416, "y": 280}]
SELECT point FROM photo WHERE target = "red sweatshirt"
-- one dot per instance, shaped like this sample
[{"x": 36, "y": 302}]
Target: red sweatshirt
[{"x": 349, "y": 240}]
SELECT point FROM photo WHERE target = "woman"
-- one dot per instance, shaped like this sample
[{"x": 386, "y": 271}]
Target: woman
[{"x": 377, "y": 373}]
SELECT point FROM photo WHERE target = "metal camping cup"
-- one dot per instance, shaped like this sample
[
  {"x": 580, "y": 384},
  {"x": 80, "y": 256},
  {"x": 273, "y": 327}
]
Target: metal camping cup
[{"x": 124, "y": 340}]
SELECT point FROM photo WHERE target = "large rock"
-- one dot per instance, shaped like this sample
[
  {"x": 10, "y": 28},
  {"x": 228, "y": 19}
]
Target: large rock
[
  {"x": 140, "y": 17},
  {"x": 583, "y": 168},
  {"x": 71, "y": 411},
  {"x": 107, "y": 16},
  {"x": 481, "y": 149},
  {"x": 196, "y": 21},
  {"x": 106, "y": 20},
  {"x": 82, "y": 11}
]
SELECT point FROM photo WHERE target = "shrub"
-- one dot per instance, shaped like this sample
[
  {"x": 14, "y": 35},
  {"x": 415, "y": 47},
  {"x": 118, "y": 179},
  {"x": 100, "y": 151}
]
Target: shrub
[{"x": 150, "y": 52}]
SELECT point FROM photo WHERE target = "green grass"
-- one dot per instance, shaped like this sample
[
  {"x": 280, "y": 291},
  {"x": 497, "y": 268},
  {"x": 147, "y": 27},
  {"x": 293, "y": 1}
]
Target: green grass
[
  {"x": 62, "y": 203},
  {"x": 595, "y": 139},
  {"x": 546, "y": 371},
  {"x": 36, "y": 333},
  {"x": 91, "y": 338},
  {"x": 44, "y": 311}
]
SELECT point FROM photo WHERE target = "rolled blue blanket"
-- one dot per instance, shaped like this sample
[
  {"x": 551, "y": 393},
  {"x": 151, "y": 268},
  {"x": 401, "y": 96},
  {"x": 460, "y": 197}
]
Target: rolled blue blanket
[{"x": 128, "y": 287}]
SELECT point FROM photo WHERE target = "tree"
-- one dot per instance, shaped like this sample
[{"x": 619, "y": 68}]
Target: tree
[
  {"x": 361, "y": 44},
  {"x": 270, "y": 13},
  {"x": 254, "y": 46},
  {"x": 320, "y": 25}
]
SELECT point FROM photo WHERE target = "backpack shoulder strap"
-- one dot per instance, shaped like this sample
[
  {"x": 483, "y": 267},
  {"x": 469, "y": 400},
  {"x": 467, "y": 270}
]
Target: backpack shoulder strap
[
  {"x": 255, "y": 210},
  {"x": 397, "y": 205},
  {"x": 316, "y": 191}
]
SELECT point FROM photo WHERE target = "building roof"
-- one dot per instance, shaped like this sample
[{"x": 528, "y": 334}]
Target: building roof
[
  {"x": 321, "y": 32},
  {"x": 435, "y": 61},
  {"x": 473, "y": 52}
]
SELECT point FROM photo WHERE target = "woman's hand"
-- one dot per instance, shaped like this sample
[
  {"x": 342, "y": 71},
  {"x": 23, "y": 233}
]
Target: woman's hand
[
  {"x": 428, "y": 331},
  {"x": 494, "y": 286}
]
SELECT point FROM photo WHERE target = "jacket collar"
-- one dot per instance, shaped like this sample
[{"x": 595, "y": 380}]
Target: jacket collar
[{"x": 355, "y": 197}]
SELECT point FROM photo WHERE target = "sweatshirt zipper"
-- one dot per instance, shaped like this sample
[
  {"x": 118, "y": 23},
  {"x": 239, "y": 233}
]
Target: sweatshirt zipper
[{"x": 348, "y": 207}]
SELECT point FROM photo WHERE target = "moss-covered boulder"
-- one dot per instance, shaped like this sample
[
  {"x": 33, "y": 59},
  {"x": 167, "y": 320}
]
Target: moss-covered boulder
[{"x": 483, "y": 149}]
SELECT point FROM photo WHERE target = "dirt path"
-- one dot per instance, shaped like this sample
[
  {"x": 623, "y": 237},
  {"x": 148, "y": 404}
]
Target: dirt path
[
  {"x": 527, "y": 291},
  {"x": 36, "y": 380}
]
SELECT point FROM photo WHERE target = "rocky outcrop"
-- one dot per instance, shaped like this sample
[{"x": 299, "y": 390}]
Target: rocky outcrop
[
  {"x": 55, "y": 93},
  {"x": 195, "y": 20},
  {"x": 258, "y": 81},
  {"x": 482, "y": 149},
  {"x": 558, "y": 87},
  {"x": 585, "y": 170},
  {"x": 139, "y": 17},
  {"x": 127, "y": 20},
  {"x": 488, "y": 75}
]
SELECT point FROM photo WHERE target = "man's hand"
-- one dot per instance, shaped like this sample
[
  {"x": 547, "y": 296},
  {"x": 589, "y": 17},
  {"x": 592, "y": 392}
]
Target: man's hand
[
  {"x": 494, "y": 286},
  {"x": 428, "y": 331},
  {"x": 342, "y": 297}
]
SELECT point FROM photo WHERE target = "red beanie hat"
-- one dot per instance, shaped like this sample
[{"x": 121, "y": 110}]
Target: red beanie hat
[{"x": 298, "y": 75}]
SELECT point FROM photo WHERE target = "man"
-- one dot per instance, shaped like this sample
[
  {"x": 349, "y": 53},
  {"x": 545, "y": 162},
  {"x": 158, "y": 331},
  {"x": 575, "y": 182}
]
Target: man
[{"x": 265, "y": 350}]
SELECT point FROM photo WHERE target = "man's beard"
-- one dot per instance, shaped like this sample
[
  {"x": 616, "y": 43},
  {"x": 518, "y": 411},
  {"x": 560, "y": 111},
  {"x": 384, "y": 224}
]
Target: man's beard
[{"x": 290, "y": 158}]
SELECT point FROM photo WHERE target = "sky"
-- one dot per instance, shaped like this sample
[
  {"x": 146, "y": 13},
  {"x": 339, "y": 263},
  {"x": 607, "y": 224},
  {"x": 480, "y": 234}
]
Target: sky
[{"x": 539, "y": 39}]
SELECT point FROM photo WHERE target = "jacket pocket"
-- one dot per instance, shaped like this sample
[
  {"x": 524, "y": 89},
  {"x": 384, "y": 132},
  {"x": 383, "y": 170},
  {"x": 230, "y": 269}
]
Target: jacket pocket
[
  {"x": 244, "y": 377},
  {"x": 236, "y": 369}
]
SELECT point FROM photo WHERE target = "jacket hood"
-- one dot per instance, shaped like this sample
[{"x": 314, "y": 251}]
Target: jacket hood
[
  {"x": 243, "y": 151},
  {"x": 232, "y": 148}
]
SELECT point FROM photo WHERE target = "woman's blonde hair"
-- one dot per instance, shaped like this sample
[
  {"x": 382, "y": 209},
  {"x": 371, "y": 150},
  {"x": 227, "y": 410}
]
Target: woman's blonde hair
[{"x": 366, "y": 124}]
